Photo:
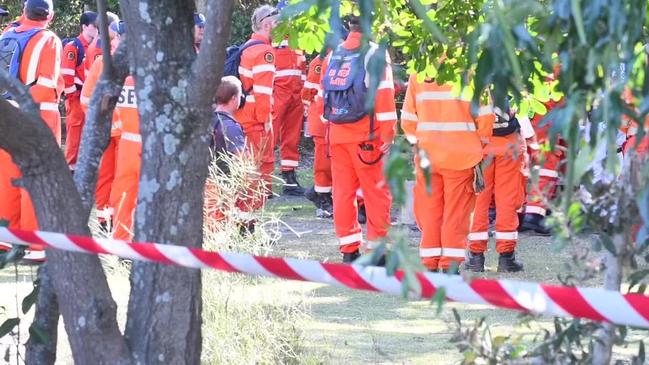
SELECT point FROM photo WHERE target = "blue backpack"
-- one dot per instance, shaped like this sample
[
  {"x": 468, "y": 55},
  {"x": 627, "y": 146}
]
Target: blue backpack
[
  {"x": 12, "y": 46},
  {"x": 344, "y": 87},
  {"x": 81, "y": 52},
  {"x": 232, "y": 62}
]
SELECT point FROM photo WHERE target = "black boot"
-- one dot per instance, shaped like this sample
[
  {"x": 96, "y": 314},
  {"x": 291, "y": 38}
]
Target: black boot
[
  {"x": 326, "y": 209},
  {"x": 362, "y": 216},
  {"x": 313, "y": 197},
  {"x": 507, "y": 263},
  {"x": 534, "y": 222},
  {"x": 291, "y": 185},
  {"x": 475, "y": 262},
  {"x": 348, "y": 258}
]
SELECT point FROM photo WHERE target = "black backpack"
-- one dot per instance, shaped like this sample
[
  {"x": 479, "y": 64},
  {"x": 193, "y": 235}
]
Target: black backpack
[{"x": 232, "y": 62}]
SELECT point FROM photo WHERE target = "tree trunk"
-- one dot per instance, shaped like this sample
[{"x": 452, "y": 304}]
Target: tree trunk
[
  {"x": 82, "y": 291},
  {"x": 164, "y": 314},
  {"x": 605, "y": 336},
  {"x": 46, "y": 319},
  {"x": 201, "y": 6}
]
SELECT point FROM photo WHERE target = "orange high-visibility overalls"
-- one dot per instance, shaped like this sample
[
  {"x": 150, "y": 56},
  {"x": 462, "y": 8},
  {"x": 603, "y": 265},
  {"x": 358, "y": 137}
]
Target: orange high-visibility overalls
[{"x": 442, "y": 125}]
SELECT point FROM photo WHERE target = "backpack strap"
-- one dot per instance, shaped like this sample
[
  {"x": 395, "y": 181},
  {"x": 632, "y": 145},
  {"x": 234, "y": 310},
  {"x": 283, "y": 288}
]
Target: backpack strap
[{"x": 81, "y": 52}]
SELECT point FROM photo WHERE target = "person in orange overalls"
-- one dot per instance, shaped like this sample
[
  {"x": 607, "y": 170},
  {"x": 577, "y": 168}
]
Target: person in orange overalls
[
  {"x": 320, "y": 193},
  {"x": 443, "y": 126},
  {"x": 549, "y": 172},
  {"x": 39, "y": 68},
  {"x": 94, "y": 49},
  {"x": 357, "y": 147},
  {"x": 123, "y": 195},
  {"x": 503, "y": 181},
  {"x": 108, "y": 165},
  {"x": 74, "y": 74},
  {"x": 257, "y": 70},
  {"x": 288, "y": 112}
]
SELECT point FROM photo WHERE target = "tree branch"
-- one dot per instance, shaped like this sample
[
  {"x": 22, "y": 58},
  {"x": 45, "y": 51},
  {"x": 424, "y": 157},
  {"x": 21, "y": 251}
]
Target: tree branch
[
  {"x": 46, "y": 320},
  {"x": 208, "y": 67},
  {"x": 84, "y": 298},
  {"x": 96, "y": 131},
  {"x": 105, "y": 41}
]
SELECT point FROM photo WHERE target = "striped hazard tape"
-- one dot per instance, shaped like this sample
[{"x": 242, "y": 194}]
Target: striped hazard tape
[{"x": 590, "y": 303}]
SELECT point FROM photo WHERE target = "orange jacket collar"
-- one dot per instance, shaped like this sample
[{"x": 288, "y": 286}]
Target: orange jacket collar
[
  {"x": 259, "y": 37},
  {"x": 29, "y": 24}
]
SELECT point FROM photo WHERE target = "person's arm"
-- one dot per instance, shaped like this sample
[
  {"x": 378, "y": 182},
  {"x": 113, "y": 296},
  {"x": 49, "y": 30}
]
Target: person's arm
[
  {"x": 91, "y": 83},
  {"x": 68, "y": 68},
  {"x": 385, "y": 108},
  {"x": 263, "y": 75},
  {"x": 409, "y": 117},
  {"x": 44, "y": 89}
]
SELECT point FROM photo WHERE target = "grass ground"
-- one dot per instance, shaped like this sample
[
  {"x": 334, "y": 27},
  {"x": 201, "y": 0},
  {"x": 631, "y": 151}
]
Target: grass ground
[{"x": 344, "y": 326}]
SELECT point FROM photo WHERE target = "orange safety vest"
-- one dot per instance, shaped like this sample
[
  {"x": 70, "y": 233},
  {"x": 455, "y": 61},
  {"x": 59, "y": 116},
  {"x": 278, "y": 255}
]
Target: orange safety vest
[
  {"x": 443, "y": 124},
  {"x": 73, "y": 75},
  {"x": 256, "y": 71},
  {"x": 312, "y": 96},
  {"x": 290, "y": 70},
  {"x": 40, "y": 68}
]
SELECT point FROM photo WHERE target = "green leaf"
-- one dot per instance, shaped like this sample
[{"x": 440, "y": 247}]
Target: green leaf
[
  {"x": 608, "y": 244},
  {"x": 30, "y": 299},
  {"x": 438, "y": 299},
  {"x": 538, "y": 107},
  {"x": 38, "y": 334},
  {"x": 637, "y": 277},
  {"x": 8, "y": 325},
  {"x": 456, "y": 315},
  {"x": 575, "y": 6}
]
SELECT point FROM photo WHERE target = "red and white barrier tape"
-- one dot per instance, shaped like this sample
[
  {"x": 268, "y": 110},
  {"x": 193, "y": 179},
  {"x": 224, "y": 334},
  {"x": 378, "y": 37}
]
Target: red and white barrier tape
[{"x": 590, "y": 303}]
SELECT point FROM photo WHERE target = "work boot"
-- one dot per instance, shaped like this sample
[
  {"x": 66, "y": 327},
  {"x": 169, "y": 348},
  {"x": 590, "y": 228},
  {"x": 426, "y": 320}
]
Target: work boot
[
  {"x": 313, "y": 197},
  {"x": 348, "y": 258},
  {"x": 291, "y": 185},
  {"x": 475, "y": 262},
  {"x": 362, "y": 215},
  {"x": 507, "y": 263},
  {"x": 326, "y": 209},
  {"x": 534, "y": 222}
]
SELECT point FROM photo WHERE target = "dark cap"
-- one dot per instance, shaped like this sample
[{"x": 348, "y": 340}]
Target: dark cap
[
  {"x": 4, "y": 12},
  {"x": 87, "y": 18},
  {"x": 199, "y": 20},
  {"x": 38, "y": 9}
]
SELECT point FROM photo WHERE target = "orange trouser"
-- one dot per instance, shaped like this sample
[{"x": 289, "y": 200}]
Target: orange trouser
[
  {"x": 503, "y": 184},
  {"x": 444, "y": 215},
  {"x": 105, "y": 179},
  {"x": 287, "y": 126},
  {"x": 260, "y": 143},
  {"x": 15, "y": 204},
  {"x": 123, "y": 196},
  {"x": 74, "y": 119},
  {"x": 16, "y": 208},
  {"x": 547, "y": 187},
  {"x": 321, "y": 166},
  {"x": 349, "y": 173}
]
